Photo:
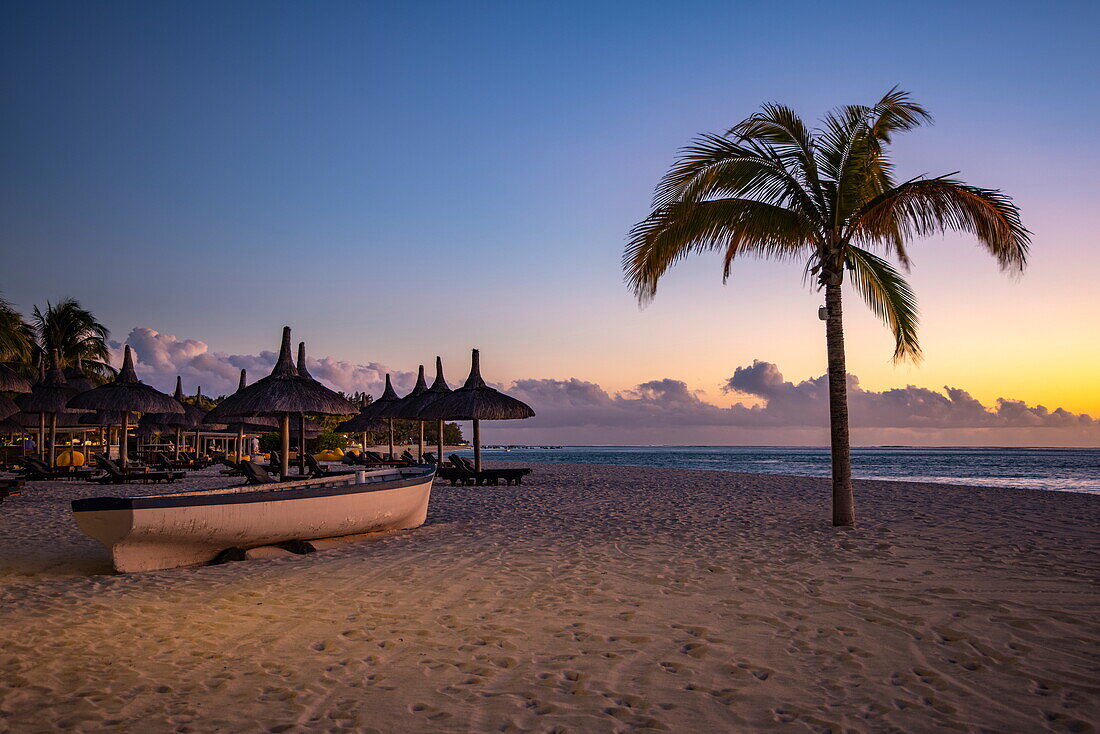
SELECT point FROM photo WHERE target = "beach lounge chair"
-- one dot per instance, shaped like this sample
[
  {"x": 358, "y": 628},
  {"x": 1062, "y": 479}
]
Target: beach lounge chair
[
  {"x": 406, "y": 455},
  {"x": 256, "y": 474},
  {"x": 273, "y": 462},
  {"x": 462, "y": 470},
  {"x": 430, "y": 457},
  {"x": 38, "y": 470},
  {"x": 114, "y": 475},
  {"x": 373, "y": 458},
  {"x": 162, "y": 462},
  {"x": 316, "y": 470}
]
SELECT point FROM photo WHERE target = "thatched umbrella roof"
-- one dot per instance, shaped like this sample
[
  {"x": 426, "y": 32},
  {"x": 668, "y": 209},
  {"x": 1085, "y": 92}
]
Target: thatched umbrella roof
[
  {"x": 10, "y": 425},
  {"x": 126, "y": 392},
  {"x": 361, "y": 424},
  {"x": 253, "y": 423},
  {"x": 101, "y": 418},
  {"x": 68, "y": 420},
  {"x": 413, "y": 403},
  {"x": 281, "y": 392},
  {"x": 191, "y": 416},
  {"x": 476, "y": 401},
  {"x": 7, "y": 407},
  {"x": 77, "y": 378},
  {"x": 10, "y": 381},
  {"x": 148, "y": 428},
  {"x": 384, "y": 407},
  {"x": 51, "y": 394}
]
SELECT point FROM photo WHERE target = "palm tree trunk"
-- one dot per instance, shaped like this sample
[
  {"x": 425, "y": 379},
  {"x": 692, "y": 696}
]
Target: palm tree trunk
[{"x": 844, "y": 511}]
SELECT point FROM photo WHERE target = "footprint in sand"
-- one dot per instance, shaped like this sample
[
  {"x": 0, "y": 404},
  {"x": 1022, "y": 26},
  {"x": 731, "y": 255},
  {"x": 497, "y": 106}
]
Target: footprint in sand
[{"x": 695, "y": 649}]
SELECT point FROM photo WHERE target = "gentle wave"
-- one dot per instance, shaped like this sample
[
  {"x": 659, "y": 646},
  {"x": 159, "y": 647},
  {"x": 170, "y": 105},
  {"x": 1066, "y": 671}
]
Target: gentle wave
[{"x": 1061, "y": 469}]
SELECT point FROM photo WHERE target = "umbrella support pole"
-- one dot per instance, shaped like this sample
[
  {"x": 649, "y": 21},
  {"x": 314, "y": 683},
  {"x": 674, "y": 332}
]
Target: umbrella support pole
[
  {"x": 420, "y": 444},
  {"x": 240, "y": 444},
  {"x": 390, "y": 422},
  {"x": 477, "y": 445},
  {"x": 439, "y": 439},
  {"x": 284, "y": 447},
  {"x": 42, "y": 436},
  {"x": 53, "y": 439},
  {"x": 179, "y": 432},
  {"x": 301, "y": 444},
  {"x": 122, "y": 438}
]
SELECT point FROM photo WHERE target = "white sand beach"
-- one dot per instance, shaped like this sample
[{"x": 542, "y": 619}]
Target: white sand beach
[{"x": 590, "y": 599}]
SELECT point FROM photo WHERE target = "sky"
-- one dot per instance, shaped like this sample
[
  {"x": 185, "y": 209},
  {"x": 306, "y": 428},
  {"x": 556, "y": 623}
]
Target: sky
[{"x": 397, "y": 181}]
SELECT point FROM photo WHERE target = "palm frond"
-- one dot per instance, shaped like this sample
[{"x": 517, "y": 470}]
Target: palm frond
[
  {"x": 897, "y": 112},
  {"x": 717, "y": 167},
  {"x": 74, "y": 332},
  {"x": 889, "y": 297},
  {"x": 935, "y": 205},
  {"x": 734, "y": 225},
  {"x": 15, "y": 335},
  {"x": 783, "y": 131}
]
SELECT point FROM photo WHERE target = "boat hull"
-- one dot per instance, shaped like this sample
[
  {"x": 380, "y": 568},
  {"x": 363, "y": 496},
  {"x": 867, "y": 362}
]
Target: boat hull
[{"x": 188, "y": 528}]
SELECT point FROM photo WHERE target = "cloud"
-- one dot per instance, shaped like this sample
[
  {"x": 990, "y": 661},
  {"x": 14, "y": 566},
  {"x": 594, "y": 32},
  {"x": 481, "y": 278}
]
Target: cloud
[
  {"x": 807, "y": 404},
  {"x": 781, "y": 411},
  {"x": 160, "y": 357},
  {"x": 768, "y": 409}
]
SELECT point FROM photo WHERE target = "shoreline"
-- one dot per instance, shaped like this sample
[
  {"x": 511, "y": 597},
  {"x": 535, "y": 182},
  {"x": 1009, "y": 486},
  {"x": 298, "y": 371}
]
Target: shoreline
[{"x": 589, "y": 598}]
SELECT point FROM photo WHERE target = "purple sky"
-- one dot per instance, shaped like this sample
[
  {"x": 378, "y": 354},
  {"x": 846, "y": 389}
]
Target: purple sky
[{"x": 398, "y": 181}]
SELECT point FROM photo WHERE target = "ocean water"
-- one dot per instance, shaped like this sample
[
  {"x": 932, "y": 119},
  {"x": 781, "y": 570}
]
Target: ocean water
[{"x": 1061, "y": 470}]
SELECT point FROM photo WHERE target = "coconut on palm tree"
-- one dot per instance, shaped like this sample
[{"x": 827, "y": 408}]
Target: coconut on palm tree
[{"x": 828, "y": 198}]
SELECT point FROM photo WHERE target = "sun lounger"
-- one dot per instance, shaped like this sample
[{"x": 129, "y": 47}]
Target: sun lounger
[
  {"x": 38, "y": 470},
  {"x": 316, "y": 470},
  {"x": 462, "y": 470},
  {"x": 256, "y": 474},
  {"x": 114, "y": 475},
  {"x": 160, "y": 461}
]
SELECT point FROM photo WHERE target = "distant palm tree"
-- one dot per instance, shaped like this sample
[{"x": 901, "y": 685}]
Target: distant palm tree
[
  {"x": 771, "y": 187},
  {"x": 16, "y": 337},
  {"x": 74, "y": 332}
]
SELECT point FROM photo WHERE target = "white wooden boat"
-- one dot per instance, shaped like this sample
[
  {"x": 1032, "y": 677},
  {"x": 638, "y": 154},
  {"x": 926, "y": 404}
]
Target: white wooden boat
[{"x": 188, "y": 528}]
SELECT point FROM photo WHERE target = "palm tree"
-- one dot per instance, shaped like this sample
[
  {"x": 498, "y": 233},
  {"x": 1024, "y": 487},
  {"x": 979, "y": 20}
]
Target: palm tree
[
  {"x": 74, "y": 332},
  {"x": 15, "y": 336},
  {"x": 827, "y": 197}
]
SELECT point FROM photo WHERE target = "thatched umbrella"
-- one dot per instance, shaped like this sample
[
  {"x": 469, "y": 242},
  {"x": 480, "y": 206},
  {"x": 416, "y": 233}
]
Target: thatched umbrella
[
  {"x": 407, "y": 408},
  {"x": 282, "y": 393},
  {"x": 105, "y": 420},
  {"x": 7, "y": 407},
  {"x": 475, "y": 401},
  {"x": 77, "y": 378},
  {"x": 413, "y": 405},
  {"x": 49, "y": 396},
  {"x": 13, "y": 382},
  {"x": 249, "y": 425},
  {"x": 191, "y": 417},
  {"x": 126, "y": 393},
  {"x": 361, "y": 424},
  {"x": 303, "y": 374},
  {"x": 196, "y": 402},
  {"x": 385, "y": 407}
]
